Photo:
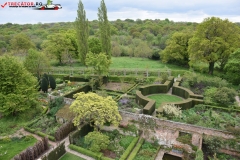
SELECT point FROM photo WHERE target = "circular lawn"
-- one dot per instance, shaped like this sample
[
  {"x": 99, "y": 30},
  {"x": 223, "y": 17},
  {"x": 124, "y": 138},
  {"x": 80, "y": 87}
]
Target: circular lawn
[{"x": 160, "y": 98}]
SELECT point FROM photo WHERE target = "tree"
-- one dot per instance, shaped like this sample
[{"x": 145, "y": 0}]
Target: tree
[
  {"x": 199, "y": 155},
  {"x": 21, "y": 43},
  {"x": 213, "y": 42},
  {"x": 93, "y": 109},
  {"x": 232, "y": 67},
  {"x": 94, "y": 45},
  {"x": 100, "y": 63},
  {"x": 36, "y": 62},
  {"x": 105, "y": 30},
  {"x": 58, "y": 44},
  {"x": 97, "y": 141},
  {"x": 18, "y": 87},
  {"x": 143, "y": 50},
  {"x": 81, "y": 24},
  {"x": 177, "y": 48}
]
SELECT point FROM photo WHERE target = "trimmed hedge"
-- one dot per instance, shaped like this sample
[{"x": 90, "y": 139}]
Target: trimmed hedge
[
  {"x": 56, "y": 153},
  {"x": 149, "y": 108},
  {"x": 41, "y": 134},
  {"x": 61, "y": 76},
  {"x": 75, "y": 79},
  {"x": 135, "y": 150},
  {"x": 144, "y": 101},
  {"x": 181, "y": 92},
  {"x": 129, "y": 149},
  {"x": 153, "y": 89},
  {"x": 86, "y": 152},
  {"x": 85, "y": 89},
  {"x": 106, "y": 158},
  {"x": 29, "y": 129}
]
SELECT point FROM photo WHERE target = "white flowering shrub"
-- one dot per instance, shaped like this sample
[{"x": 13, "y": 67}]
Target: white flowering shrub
[{"x": 170, "y": 110}]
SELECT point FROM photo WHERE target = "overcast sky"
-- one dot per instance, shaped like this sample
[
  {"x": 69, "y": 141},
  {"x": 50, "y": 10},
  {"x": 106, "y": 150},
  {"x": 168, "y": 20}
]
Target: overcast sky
[{"x": 175, "y": 10}]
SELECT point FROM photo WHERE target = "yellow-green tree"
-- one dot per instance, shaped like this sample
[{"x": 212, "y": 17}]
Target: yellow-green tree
[
  {"x": 21, "y": 43},
  {"x": 99, "y": 62},
  {"x": 214, "y": 40},
  {"x": 91, "y": 108}
]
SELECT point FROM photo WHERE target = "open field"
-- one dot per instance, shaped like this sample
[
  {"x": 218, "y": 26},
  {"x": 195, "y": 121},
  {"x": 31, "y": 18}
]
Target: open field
[
  {"x": 160, "y": 98},
  {"x": 130, "y": 63}
]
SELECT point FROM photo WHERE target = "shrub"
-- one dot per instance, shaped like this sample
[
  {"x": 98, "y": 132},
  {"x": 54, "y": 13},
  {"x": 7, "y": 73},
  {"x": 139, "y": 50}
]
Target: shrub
[
  {"x": 225, "y": 96},
  {"x": 97, "y": 141},
  {"x": 59, "y": 81},
  {"x": 44, "y": 85},
  {"x": 52, "y": 82},
  {"x": 170, "y": 110}
]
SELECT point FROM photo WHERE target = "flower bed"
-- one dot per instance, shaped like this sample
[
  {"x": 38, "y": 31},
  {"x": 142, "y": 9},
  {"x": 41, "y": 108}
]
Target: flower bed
[
  {"x": 44, "y": 126},
  {"x": 65, "y": 88}
]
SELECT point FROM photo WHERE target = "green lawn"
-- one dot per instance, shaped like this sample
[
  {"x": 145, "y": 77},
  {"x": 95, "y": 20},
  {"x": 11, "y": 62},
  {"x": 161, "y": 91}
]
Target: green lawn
[
  {"x": 130, "y": 63},
  {"x": 15, "y": 146},
  {"x": 160, "y": 98},
  {"x": 69, "y": 156}
]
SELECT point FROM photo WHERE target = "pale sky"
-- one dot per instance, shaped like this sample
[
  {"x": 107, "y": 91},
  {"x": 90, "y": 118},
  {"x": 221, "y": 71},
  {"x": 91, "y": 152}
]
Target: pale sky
[{"x": 175, "y": 10}]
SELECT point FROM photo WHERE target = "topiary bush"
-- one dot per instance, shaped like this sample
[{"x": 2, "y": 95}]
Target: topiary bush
[
  {"x": 44, "y": 85},
  {"x": 52, "y": 82}
]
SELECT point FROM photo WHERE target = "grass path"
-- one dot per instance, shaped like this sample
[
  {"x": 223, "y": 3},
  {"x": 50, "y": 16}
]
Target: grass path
[{"x": 160, "y": 98}]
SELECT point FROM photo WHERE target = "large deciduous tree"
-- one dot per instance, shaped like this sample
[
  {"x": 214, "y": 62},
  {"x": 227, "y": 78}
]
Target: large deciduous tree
[
  {"x": 91, "y": 108},
  {"x": 214, "y": 40},
  {"x": 18, "y": 91},
  {"x": 58, "y": 44},
  {"x": 232, "y": 67},
  {"x": 105, "y": 29},
  {"x": 82, "y": 29},
  {"x": 177, "y": 48},
  {"x": 36, "y": 62}
]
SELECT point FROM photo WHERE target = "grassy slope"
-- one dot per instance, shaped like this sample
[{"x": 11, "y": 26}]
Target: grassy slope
[
  {"x": 14, "y": 147},
  {"x": 69, "y": 156},
  {"x": 160, "y": 98}
]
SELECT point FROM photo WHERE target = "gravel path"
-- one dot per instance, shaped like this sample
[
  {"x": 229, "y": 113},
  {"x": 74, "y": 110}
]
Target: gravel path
[{"x": 238, "y": 100}]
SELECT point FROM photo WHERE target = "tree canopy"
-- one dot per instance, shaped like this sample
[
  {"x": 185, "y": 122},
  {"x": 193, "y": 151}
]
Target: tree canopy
[
  {"x": 82, "y": 29},
  {"x": 214, "y": 40},
  {"x": 93, "y": 109},
  {"x": 18, "y": 87},
  {"x": 177, "y": 48},
  {"x": 99, "y": 62},
  {"x": 105, "y": 29},
  {"x": 232, "y": 67},
  {"x": 36, "y": 62},
  {"x": 21, "y": 43}
]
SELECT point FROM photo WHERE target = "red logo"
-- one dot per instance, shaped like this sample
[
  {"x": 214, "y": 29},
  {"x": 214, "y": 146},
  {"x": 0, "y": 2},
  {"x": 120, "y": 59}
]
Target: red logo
[{"x": 4, "y": 5}]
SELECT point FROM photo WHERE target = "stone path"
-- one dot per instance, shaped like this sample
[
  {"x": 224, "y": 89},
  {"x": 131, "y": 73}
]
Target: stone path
[{"x": 159, "y": 155}]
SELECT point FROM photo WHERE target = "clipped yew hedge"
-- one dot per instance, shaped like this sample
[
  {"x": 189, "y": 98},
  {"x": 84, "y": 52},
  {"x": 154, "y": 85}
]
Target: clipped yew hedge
[
  {"x": 154, "y": 89},
  {"x": 129, "y": 149},
  {"x": 56, "y": 153},
  {"x": 96, "y": 155},
  {"x": 135, "y": 150},
  {"x": 149, "y": 108}
]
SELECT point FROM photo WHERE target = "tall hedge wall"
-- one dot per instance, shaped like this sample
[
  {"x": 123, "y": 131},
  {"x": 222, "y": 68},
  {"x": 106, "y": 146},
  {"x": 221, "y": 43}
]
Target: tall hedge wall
[
  {"x": 153, "y": 89},
  {"x": 149, "y": 104},
  {"x": 56, "y": 153},
  {"x": 149, "y": 108}
]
